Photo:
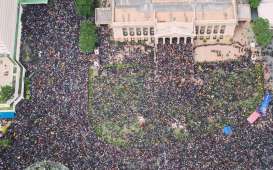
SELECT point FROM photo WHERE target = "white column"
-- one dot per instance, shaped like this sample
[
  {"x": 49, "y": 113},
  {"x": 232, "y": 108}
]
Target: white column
[
  {"x": 178, "y": 40},
  {"x": 163, "y": 40}
]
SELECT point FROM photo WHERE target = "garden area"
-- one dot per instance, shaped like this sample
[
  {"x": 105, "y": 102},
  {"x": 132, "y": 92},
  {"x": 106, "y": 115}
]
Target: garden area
[
  {"x": 132, "y": 105},
  {"x": 6, "y": 93}
]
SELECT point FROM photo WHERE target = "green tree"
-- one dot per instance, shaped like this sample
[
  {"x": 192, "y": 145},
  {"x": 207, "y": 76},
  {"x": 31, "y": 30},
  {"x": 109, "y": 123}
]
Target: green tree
[
  {"x": 5, "y": 93},
  {"x": 88, "y": 37},
  {"x": 263, "y": 34},
  {"x": 85, "y": 7},
  {"x": 254, "y": 3}
]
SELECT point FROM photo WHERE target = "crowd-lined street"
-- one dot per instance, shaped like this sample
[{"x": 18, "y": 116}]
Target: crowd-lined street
[{"x": 54, "y": 125}]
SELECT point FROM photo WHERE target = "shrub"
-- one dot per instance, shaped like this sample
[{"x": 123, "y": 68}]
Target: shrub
[
  {"x": 5, "y": 93},
  {"x": 261, "y": 28},
  {"x": 88, "y": 37},
  {"x": 27, "y": 89}
]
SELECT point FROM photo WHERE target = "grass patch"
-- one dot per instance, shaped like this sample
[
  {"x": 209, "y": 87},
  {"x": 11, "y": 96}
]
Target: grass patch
[
  {"x": 260, "y": 80},
  {"x": 90, "y": 88},
  {"x": 116, "y": 134},
  {"x": 6, "y": 92},
  {"x": 112, "y": 99},
  {"x": 120, "y": 66},
  {"x": 5, "y": 143},
  {"x": 88, "y": 37},
  {"x": 250, "y": 104},
  {"x": 180, "y": 134},
  {"x": 244, "y": 89},
  {"x": 27, "y": 89},
  {"x": 128, "y": 90},
  {"x": 229, "y": 97}
]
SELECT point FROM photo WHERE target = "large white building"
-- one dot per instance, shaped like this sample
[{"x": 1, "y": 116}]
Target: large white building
[
  {"x": 172, "y": 20},
  {"x": 11, "y": 70}
]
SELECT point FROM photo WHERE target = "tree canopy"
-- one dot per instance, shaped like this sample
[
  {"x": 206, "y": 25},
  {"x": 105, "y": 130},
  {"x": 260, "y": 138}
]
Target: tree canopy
[
  {"x": 5, "y": 93},
  {"x": 88, "y": 36},
  {"x": 254, "y": 3},
  {"x": 85, "y": 7},
  {"x": 261, "y": 28}
]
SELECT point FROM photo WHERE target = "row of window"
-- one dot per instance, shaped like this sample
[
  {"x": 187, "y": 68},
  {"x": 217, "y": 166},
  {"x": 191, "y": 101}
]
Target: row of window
[
  {"x": 188, "y": 39},
  {"x": 198, "y": 30},
  {"x": 137, "y": 31},
  {"x": 209, "y": 37},
  {"x": 210, "y": 29},
  {"x": 139, "y": 40}
]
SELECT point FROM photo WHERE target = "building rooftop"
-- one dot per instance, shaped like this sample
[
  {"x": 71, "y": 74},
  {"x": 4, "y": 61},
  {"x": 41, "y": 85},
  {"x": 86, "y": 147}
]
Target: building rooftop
[
  {"x": 133, "y": 3},
  {"x": 103, "y": 15},
  {"x": 173, "y": 10},
  {"x": 8, "y": 21},
  {"x": 33, "y": 1}
]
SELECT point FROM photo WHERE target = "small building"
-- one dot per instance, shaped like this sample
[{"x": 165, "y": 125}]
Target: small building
[
  {"x": 175, "y": 21},
  {"x": 265, "y": 10},
  {"x": 12, "y": 71}
]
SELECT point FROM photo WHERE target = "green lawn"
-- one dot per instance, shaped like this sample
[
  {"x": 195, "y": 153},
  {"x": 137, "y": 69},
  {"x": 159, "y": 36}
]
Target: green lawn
[{"x": 88, "y": 37}]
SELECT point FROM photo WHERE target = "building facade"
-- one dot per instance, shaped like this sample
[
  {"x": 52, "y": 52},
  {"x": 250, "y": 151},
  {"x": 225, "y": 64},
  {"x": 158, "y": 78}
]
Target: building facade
[{"x": 172, "y": 21}]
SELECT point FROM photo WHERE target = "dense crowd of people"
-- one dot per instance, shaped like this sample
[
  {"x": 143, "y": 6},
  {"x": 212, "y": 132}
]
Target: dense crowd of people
[{"x": 54, "y": 124}]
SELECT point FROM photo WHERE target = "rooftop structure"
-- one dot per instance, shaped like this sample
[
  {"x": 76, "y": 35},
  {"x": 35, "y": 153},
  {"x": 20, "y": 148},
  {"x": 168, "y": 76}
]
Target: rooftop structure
[
  {"x": 152, "y": 20},
  {"x": 265, "y": 10},
  {"x": 244, "y": 12}
]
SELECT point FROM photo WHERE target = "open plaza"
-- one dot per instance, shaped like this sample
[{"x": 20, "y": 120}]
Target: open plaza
[{"x": 171, "y": 99}]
